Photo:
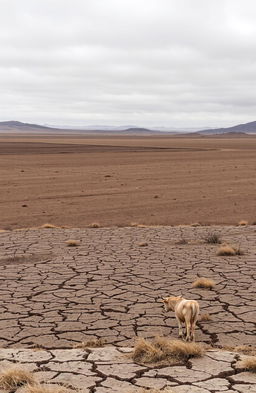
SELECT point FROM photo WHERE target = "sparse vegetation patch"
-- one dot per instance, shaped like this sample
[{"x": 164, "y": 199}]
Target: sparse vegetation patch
[
  {"x": 245, "y": 349},
  {"x": 162, "y": 349},
  {"x": 13, "y": 377},
  {"x": 93, "y": 343},
  {"x": 143, "y": 244},
  {"x": 203, "y": 282},
  {"x": 48, "y": 226},
  {"x": 72, "y": 243},
  {"x": 212, "y": 238},
  {"x": 249, "y": 364},
  {"x": 94, "y": 225},
  {"x": 243, "y": 222},
  {"x": 227, "y": 250},
  {"x": 205, "y": 317}
]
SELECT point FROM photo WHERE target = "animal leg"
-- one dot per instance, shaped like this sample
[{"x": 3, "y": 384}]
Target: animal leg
[
  {"x": 188, "y": 330},
  {"x": 193, "y": 326},
  {"x": 180, "y": 328}
]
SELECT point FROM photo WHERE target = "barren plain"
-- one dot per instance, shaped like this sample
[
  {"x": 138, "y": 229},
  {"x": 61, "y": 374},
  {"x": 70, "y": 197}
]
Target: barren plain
[
  {"x": 65, "y": 285},
  {"x": 118, "y": 180}
]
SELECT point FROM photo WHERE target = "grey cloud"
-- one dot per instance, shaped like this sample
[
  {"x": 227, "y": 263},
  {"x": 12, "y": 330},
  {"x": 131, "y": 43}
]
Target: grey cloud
[{"x": 150, "y": 62}]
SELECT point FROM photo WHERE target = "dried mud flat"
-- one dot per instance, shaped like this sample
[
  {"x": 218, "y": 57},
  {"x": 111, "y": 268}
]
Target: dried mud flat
[
  {"x": 110, "y": 370},
  {"x": 109, "y": 286}
]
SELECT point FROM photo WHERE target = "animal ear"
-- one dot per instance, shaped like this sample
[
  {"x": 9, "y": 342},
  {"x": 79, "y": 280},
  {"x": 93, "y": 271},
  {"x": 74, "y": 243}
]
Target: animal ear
[{"x": 164, "y": 300}]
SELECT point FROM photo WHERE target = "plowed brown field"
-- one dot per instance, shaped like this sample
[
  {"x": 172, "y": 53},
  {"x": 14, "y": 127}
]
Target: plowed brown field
[{"x": 119, "y": 180}]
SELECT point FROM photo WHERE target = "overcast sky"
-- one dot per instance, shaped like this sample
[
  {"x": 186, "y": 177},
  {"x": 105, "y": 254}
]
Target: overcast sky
[{"x": 180, "y": 63}]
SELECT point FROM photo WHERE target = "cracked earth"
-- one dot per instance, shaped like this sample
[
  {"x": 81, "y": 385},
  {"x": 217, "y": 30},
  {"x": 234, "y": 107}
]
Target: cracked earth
[
  {"x": 111, "y": 370},
  {"x": 54, "y": 297}
]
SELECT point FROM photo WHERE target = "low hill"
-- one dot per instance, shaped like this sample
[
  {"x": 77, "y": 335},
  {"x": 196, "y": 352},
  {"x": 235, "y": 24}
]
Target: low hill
[
  {"x": 140, "y": 131},
  {"x": 247, "y": 128},
  {"x": 18, "y": 126}
]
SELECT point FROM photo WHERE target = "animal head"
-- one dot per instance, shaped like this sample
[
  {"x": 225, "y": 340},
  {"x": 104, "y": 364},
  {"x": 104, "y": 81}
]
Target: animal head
[{"x": 170, "y": 302}]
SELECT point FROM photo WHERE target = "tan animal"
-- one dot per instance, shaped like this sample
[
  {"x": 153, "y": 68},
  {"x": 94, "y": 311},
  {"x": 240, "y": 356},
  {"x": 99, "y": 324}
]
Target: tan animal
[{"x": 185, "y": 311}]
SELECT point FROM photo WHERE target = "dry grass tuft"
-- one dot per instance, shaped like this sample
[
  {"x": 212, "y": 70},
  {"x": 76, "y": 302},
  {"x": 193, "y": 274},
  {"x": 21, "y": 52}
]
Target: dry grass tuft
[
  {"x": 72, "y": 243},
  {"x": 227, "y": 250},
  {"x": 203, "y": 282},
  {"x": 49, "y": 226},
  {"x": 195, "y": 224},
  {"x": 212, "y": 238},
  {"x": 134, "y": 224},
  {"x": 146, "y": 352},
  {"x": 245, "y": 349},
  {"x": 162, "y": 349},
  {"x": 205, "y": 317},
  {"x": 143, "y": 244},
  {"x": 94, "y": 225},
  {"x": 13, "y": 377},
  {"x": 249, "y": 364},
  {"x": 243, "y": 222},
  {"x": 46, "y": 389},
  {"x": 93, "y": 343}
]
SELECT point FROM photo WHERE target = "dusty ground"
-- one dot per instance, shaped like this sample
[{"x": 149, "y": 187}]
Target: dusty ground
[
  {"x": 110, "y": 286},
  {"x": 54, "y": 296},
  {"x": 116, "y": 181},
  {"x": 110, "y": 370}
]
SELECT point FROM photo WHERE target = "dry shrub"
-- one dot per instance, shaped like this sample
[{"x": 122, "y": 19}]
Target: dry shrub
[
  {"x": 195, "y": 224},
  {"x": 94, "y": 225},
  {"x": 13, "y": 377},
  {"x": 227, "y": 250},
  {"x": 249, "y": 364},
  {"x": 49, "y": 226},
  {"x": 143, "y": 244},
  {"x": 243, "y": 222},
  {"x": 205, "y": 317},
  {"x": 163, "y": 349},
  {"x": 203, "y": 282},
  {"x": 72, "y": 243},
  {"x": 92, "y": 343},
  {"x": 38, "y": 388},
  {"x": 212, "y": 238}
]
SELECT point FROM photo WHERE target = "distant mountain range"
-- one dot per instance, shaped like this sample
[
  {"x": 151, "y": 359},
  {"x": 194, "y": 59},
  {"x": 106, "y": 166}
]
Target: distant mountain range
[
  {"x": 247, "y": 128},
  {"x": 8, "y": 127},
  {"x": 18, "y": 127}
]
